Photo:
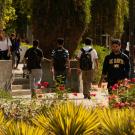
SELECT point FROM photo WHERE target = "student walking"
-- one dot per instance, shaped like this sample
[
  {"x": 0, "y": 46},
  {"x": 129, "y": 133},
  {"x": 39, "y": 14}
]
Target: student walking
[
  {"x": 116, "y": 66},
  {"x": 5, "y": 45},
  {"x": 60, "y": 62},
  {"x": 88, "y": 61},
  {"x": 33, "y": 58}
]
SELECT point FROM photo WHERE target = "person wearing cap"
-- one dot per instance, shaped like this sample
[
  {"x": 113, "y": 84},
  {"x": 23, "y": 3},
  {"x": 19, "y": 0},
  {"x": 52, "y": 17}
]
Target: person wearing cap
[
  {"x": 116, "y": 66},
  {"x": 5, "y": 45},
  {"x": 87, "y": 76},
  {"x": 60, "y": 62}
]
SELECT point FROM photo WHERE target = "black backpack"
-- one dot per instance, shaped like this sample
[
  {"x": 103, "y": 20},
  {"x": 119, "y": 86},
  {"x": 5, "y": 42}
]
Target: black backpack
[
  {"x": 85, "y": 60},
  {"x": 60, "y": 58},
  {"x": 33, "y": 59}
]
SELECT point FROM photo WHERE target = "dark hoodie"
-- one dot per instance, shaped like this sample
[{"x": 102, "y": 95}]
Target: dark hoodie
[{"x": 116, "y": 67}]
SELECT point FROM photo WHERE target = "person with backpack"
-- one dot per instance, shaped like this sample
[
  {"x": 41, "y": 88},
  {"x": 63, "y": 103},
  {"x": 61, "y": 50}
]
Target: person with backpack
[
  {"x": 116, "y": 66},
  {"x": 88, "y": 61},
  {"x": 33, "y": 58},
  {"x": 60, "y": 62}
]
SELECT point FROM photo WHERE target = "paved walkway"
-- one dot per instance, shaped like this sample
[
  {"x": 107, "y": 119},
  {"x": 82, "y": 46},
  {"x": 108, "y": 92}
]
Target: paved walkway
[{"x": 99, "y": 95}]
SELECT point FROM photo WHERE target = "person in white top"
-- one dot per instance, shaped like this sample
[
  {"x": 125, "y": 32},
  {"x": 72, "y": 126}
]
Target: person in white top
[
  {"x": 5, "y": 45},
  {"x": 87, "y": 74}
]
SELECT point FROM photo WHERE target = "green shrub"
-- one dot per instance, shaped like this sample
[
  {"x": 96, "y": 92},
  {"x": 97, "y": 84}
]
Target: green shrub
[
  {"x": 5, "y": 94},
  {"x": 102, "y": 52}
]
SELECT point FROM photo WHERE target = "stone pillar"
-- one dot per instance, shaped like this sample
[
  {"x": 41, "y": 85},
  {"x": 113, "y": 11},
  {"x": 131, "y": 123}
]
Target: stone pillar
[
  {"x": 75, "y": 80},
  {"x": 47, "y": 75},
  {"x": 5, "y": 74}
]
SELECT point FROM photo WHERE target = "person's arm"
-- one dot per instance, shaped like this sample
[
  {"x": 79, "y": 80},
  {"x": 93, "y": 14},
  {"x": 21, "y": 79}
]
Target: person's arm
[
  {"x": 68, "y": 64},
  {"x": 96, "y": 61},
  {"x": 25, "y": 57},
  {"x": 95, "y": 58},
  {"x": 127, "y": 67},
  {"x": 9, "y": 44},
  {"x": 47, "y": 59},
  {"x": 101, "y": 80},
  {"x": 52, "y": 61}
]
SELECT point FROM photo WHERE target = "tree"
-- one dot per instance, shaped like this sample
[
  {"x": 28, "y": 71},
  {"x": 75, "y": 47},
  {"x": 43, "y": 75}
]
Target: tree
[
  {"x": 132, "y": 36},
  {"x": 107, "y": 17},
  {"x": 56, "y": 18},
  {"x": 23, "y": 13},
  {"x": 7, "y": 13}
]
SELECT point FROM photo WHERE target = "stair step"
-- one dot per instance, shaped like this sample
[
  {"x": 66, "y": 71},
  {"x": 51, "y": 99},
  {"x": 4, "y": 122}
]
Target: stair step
[
  {"x": 20, "y": 92},
  {"x": 19, "y": 81},
  {"x": 19, "y": 86}
]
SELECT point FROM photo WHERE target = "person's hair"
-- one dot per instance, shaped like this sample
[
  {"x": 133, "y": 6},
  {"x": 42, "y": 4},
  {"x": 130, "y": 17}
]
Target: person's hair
[
  {"x": 13, "y": 34},
  {"x": 35, "y": 43},
  {"x": 2, "y": 34},
  {"x": 60, "y": 41},
  {"x": 116, "y": 41},
  {"x": 88, "y": 41}
]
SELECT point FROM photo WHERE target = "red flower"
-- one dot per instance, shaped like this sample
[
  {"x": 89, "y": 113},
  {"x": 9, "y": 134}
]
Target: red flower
[
  {"x": 121, "y": 104},
  {"x": 75, "y": 93},
  {"x": 127, "y": 104},
  {"x": 38, "y": 84},
  {"x": 115, "y": 87},
  {"x": 112, "y": 97},
  {"x": 117, "y": 105},
  {"x": 45, "y": 84},
  {"x": 93, "y": 94},
  {"x": 132, "y": 80},
  {"x": 62, "y": 88}
]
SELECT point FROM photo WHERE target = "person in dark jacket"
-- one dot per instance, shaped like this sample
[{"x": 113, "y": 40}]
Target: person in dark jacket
[
  {"x": 33, "y": 57},
  {"x": 60, "y": 62},
  {"x": 15, "y": 50},
  {"x": 116, "y": 66}
]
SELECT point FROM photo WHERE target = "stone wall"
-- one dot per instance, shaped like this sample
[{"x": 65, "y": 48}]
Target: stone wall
[
  {"x": 74, "y": 82},
  {"x": 5, "y": 74}
]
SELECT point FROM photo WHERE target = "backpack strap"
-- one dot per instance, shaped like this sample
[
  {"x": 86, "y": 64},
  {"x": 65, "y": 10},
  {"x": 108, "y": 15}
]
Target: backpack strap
[
  {"x": 83, "y": 51},
  {"x": 90, "y": 50}
]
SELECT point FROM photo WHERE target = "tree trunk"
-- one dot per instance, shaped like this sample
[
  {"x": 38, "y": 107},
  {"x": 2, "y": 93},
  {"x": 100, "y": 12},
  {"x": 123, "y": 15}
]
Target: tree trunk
[
  {"x": 107, "y": 18},
  {"x": 56, "y": 18}
]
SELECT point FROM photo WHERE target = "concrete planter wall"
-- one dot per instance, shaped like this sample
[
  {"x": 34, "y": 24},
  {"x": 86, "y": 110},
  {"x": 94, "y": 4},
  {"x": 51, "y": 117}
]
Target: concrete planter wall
[
  {"x": 74, "y": 81},
  {"x": 5, "y": 74}
]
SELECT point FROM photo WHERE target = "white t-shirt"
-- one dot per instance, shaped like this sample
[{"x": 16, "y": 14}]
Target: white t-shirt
[
  {"x": 5, "y": 44},
  {"x": 93, "y": 54}
]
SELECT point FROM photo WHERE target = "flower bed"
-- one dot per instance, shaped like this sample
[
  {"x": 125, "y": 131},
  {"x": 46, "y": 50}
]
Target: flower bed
[{"x": 123, "y": 94}]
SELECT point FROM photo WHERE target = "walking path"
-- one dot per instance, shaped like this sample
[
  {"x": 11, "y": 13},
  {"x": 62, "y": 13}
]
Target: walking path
[{"x": 20, "y": 90}]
